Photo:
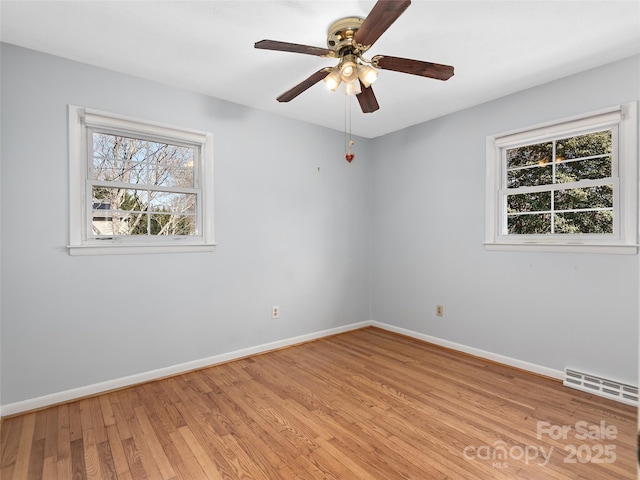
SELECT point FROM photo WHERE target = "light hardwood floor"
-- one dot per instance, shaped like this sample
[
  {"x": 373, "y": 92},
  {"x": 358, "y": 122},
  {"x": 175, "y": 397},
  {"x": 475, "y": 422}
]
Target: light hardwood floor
[{"x": 367, "y": 404}]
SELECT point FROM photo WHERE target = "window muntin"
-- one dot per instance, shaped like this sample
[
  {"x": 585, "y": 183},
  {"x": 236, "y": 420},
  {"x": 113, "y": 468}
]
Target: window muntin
[{"x": 138, "y": 186}]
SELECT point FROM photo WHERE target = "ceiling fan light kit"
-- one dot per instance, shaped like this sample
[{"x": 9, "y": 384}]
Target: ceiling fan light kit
[
  {"x": 347, "y": 39},
  {"x": 349, "y": 71}
]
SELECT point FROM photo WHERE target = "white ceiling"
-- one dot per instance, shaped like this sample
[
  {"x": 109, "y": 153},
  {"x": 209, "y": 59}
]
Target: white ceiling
[{"x": 496, "y": 47}]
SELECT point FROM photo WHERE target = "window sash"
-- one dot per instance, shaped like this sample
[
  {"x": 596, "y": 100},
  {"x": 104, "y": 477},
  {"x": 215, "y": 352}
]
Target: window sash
[
  {"x": 195, "y": 147},
  {"x": 604, "y": 123},
  {"x": 90, "y": 184},
  {"x": 108, "y": 128}
]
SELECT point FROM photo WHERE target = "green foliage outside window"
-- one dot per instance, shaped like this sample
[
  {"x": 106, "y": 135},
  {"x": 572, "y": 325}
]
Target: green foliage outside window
[{"x": 537, "y": 200}]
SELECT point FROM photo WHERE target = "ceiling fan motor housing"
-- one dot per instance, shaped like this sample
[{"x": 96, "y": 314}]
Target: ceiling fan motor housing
[{"x": 340, "y": 36}]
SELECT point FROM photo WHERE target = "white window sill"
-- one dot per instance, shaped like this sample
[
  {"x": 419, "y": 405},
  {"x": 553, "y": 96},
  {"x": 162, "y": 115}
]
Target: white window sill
[
  {"x": 137, "y": 249},
  {"x": 564, "y": 248}
]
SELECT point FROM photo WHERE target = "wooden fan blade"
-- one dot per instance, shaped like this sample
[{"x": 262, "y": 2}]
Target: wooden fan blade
[
  {"x": 367, "y": 99},
  {"x": 293, "y": 47},
  {"x": 414, "y": 67},
  {"x": 380, "y": 18},
  {"x": 304, "y": 85}
]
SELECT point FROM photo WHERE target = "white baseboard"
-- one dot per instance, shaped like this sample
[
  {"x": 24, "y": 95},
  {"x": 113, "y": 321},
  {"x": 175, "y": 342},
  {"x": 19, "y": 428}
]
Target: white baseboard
[
  {"x": 102, "y": 387},
  {"x": 494, "y": 357}
]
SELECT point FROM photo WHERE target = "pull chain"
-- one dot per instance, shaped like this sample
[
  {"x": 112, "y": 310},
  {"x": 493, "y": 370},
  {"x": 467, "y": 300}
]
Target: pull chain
[{"x": 349, "y": 155}]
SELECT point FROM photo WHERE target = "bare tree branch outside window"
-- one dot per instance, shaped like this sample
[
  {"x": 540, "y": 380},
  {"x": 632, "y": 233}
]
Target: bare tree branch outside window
[{"x": 143, "y": 187}]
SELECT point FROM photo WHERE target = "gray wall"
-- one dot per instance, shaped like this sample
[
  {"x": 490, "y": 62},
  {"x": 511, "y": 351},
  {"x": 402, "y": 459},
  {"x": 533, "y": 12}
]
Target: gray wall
[
  {"x": 287, "y": 235},
  {"x": 550, "y": 309},
  {"x": 334, "y": 247}
]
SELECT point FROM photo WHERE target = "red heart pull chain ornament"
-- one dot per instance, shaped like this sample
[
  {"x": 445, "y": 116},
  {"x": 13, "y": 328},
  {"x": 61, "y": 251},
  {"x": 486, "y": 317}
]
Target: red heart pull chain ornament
[{"x": 349, "y": 156}]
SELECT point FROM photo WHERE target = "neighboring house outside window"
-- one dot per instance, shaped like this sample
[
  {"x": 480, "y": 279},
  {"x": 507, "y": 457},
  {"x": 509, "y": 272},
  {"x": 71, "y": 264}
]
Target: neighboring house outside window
[
  {"x": 138, "y": 186},
  {"x": 570, "y": 185}
]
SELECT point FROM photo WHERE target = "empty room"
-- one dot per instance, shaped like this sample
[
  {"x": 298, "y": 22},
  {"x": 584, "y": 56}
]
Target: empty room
[{"x": 330, "y": 240}]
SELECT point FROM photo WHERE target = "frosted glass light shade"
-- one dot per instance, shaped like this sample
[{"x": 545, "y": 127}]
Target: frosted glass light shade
[
  {"x": 349, "y": 71},
  {"x": 367, "y": 75},
  {"x": 332, "y": 81},
  {"x": 352, "y": 88}
]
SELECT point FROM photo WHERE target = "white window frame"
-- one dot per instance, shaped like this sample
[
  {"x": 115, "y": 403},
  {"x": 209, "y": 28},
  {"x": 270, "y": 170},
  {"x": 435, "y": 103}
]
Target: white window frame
[
  {"x": 623, "y": 120},
  {"x": 82, "y": 121}
]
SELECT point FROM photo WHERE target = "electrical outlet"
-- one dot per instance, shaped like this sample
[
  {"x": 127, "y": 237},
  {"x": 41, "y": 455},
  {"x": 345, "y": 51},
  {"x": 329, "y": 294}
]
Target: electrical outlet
[
  {"x": 275, "y": 311},
  {"x": 440, "y": 310}
]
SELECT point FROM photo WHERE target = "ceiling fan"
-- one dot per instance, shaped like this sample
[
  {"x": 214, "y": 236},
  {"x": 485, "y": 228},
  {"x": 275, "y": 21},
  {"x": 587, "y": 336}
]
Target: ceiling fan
[{"x": 347, "y": 39}]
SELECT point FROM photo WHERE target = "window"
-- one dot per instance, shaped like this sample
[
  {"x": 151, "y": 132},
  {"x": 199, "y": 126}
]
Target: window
[
  {"x": 565, "y": 186},
  {"x": 137, "y": 186}
]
